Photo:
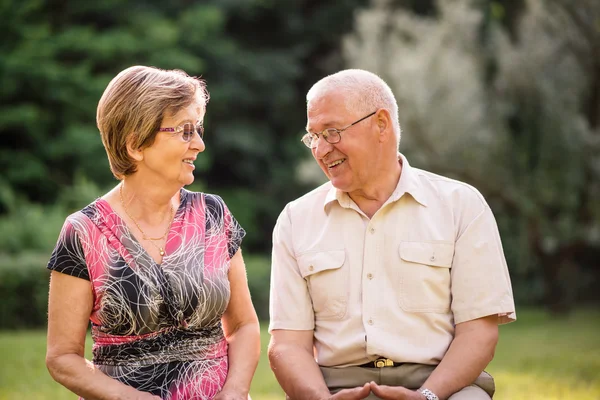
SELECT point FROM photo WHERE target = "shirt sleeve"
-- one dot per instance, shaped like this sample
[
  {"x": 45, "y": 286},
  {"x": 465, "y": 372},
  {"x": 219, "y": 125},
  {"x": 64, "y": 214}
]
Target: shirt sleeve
[
  {"x": 480, "y": 280},
  {"x": 218, "y": 214},
  {"x": 290, "y": 305},
  {"x": 68, "y": 256}
]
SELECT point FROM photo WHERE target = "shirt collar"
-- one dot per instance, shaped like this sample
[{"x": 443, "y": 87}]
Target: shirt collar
[{"x": 408, "y": 183}]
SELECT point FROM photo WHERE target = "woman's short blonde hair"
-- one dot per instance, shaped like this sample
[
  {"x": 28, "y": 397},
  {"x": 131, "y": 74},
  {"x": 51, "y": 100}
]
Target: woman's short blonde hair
[{"x": 133, "y": 106}]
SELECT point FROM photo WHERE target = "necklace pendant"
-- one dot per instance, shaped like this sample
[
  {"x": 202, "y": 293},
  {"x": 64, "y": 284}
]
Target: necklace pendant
[{"x": 161, "y": 252}]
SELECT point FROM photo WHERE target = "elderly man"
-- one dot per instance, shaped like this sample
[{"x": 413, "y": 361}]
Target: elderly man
[{"x": 388, "y": 281}]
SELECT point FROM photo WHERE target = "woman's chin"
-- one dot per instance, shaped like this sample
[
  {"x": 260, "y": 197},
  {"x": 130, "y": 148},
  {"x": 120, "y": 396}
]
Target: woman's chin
[{"x": 188, "y": 180}]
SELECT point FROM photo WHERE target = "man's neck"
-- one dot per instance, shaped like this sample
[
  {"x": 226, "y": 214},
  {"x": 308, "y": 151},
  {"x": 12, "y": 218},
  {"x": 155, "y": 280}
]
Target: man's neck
[{"x": 371, "y": 199}]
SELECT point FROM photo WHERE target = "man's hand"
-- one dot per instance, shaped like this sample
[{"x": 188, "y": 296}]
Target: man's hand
[
  {"x": 395, "y": 392},
  {"x": 356, "y": 393}
]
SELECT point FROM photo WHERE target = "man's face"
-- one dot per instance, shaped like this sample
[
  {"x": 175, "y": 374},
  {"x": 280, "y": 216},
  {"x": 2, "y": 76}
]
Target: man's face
[{"x": 351, "y": 163}]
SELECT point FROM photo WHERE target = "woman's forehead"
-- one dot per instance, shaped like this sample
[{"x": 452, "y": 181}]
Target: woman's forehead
[{"x": 194, "y": 111}]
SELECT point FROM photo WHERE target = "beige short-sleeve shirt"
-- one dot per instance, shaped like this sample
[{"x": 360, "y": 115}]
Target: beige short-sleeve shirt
[{"x": 394, "y": 285}]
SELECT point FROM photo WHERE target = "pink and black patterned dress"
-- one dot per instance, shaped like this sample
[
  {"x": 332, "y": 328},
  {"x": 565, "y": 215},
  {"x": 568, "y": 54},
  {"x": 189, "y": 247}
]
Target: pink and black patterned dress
[{"x": 156, "y": 327}]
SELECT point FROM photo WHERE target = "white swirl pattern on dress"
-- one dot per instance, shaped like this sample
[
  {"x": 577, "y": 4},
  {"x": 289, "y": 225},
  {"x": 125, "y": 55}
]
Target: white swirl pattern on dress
[{"x": 156, "y": 327}]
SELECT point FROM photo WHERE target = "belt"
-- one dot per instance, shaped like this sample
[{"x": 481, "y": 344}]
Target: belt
[{"x": 380, "y": 363}]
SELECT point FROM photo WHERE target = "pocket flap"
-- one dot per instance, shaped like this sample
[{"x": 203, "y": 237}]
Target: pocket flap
[
  {"x": 428, "y": 253},
  {"x": 312, "y": 263}
]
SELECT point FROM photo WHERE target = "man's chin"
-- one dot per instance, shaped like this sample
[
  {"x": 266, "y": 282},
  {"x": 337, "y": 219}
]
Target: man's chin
[{"x": 339, "y": 184}]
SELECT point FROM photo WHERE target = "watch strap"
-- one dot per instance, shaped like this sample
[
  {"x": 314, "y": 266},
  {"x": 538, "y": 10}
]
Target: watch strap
[{"x": 429, "y": 395}]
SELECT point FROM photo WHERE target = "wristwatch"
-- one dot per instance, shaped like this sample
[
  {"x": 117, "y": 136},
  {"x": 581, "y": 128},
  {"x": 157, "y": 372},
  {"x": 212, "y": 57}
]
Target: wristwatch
[{"x": 429, "y": 395}]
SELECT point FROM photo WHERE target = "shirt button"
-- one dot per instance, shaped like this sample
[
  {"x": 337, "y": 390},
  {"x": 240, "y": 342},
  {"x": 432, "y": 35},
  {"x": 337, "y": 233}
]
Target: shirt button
[
  {"x": 311, "y": 268},
  {"x": 432, "y": 258},
  {"x": 370, "y": 322},
  {"x": 370, "y": 275},
  {"x": 372, "y": 230}
]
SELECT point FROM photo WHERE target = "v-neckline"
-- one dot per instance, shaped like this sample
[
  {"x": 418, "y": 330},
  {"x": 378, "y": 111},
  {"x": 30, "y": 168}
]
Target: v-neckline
[{"x": 125, "y": 231}]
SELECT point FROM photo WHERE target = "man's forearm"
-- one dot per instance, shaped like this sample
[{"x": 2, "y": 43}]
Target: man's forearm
[
  {"x": 297, "y": 372},
  {"x": 468, "y": 355}
]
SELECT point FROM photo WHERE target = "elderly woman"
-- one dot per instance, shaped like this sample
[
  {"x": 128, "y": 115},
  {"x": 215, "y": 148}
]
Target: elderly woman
[{"x": 157, "y": 269}]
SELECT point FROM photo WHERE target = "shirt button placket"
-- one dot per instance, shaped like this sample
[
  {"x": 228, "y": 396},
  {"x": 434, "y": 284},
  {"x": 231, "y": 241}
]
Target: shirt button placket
[{"x": 370, "y": 295}]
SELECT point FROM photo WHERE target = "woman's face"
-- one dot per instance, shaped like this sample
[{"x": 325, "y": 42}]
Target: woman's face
[{"x": 171, "y": 158}]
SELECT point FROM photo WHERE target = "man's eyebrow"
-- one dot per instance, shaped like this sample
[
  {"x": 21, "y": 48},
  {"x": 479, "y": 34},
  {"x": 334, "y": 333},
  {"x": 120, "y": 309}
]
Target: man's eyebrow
[{"x": 332, "y": 124}]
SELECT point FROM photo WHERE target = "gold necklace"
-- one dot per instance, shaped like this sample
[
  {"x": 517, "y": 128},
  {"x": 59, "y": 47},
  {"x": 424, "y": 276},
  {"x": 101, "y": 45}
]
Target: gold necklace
[{"x": 161, "y": 250}]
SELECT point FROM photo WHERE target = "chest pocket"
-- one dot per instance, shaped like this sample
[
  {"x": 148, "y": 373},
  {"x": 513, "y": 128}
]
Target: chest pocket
[
  {"x": 327, "y": 281},
  {"x": 424, "y": 276}
]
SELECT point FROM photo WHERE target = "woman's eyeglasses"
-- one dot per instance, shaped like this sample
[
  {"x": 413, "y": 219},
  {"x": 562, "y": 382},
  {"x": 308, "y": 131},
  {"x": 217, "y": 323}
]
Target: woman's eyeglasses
[{"x": 186, "y": 130}]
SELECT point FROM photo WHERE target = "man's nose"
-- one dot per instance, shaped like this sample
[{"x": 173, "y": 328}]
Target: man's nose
[{"x": 322, "y": 147}]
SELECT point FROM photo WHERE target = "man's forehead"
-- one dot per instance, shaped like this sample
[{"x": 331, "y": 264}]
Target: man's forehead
[
  {"x": 320, "y": 121},
  {"x": 325, "y": 100},
  {"x": 326, "y": 111}
]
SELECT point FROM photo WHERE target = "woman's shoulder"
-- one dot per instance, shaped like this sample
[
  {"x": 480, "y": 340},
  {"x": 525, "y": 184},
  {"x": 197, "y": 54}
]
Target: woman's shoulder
[
  {"x": 202, "y": 198},
  {"x": 213, "y": 206},
  {"x": 85, "y": 217},
  {"x": 82, "y": 214}
]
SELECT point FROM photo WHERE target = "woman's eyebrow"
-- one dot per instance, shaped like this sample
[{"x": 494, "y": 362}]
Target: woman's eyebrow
[{"x": 183, "y": 121}]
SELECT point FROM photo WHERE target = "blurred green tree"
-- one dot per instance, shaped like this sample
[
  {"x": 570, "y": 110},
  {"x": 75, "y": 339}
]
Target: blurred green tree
[
  {"x": 258, "y": 57},
  {"x": 507, "y": 99},
  {"x": 58, "y": 57}
]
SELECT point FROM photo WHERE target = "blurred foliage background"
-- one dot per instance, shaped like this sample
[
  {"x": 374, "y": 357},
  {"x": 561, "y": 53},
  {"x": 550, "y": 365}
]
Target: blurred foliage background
[{"x": 504, "y": 95}]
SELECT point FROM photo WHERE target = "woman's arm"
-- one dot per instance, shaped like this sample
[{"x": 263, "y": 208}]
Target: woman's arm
[
  {"x": 69, "y": 308},
  {"x": 242, "y": 331}
]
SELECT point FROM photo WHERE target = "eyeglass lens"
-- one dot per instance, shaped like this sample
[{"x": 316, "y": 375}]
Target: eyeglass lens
[
  {"x": 189, "y": 129},
  {"x": 330, "y": 135}
]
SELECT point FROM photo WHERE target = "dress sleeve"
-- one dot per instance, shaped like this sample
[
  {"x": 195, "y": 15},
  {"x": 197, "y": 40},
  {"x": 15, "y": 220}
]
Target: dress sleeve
[
  {"x": 68, "y": 256},
  {"x": 218, "y": 216}
]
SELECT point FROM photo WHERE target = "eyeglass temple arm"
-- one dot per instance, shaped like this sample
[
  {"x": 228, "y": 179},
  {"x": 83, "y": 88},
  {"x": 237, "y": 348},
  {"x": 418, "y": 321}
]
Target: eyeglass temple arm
[{"x": 362, "y": 119}]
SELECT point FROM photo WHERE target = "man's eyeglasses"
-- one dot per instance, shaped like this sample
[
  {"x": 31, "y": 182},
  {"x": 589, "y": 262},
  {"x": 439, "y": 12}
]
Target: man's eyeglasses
[
  {"x": 186, "y": 130},
  {"x": 331, "y": 135}
]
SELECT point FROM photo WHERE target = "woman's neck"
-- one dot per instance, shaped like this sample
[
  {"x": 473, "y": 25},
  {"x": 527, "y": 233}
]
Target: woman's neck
[{"x": 147, "y": 202}]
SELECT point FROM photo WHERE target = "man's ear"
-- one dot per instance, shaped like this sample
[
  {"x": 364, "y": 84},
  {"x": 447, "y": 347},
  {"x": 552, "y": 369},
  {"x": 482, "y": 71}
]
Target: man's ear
[
  {"x": 134, "y": 152},
  {"x": 384, "y": 123}
]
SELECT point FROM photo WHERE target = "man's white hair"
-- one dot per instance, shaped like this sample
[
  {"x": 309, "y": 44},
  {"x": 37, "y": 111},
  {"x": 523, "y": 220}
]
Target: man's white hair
[{"x": 364, "y": 92}]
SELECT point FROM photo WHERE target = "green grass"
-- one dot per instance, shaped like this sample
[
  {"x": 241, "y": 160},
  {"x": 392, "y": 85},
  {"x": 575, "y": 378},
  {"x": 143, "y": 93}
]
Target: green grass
[
  {"x": 551, "y": 359},
  {"x": 23, "y": 374},
  {"x": 537, "y": 358}
]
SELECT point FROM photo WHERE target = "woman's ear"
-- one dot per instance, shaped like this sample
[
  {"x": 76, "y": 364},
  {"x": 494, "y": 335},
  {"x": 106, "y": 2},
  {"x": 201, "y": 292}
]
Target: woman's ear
[{"x": 133, "y": 151}]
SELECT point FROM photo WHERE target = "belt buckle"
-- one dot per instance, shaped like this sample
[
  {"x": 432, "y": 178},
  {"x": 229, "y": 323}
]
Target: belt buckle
[{"x": 384, "y": 362}]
